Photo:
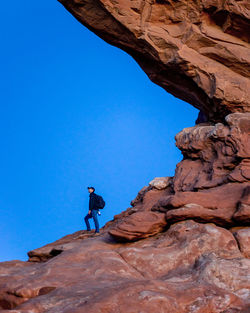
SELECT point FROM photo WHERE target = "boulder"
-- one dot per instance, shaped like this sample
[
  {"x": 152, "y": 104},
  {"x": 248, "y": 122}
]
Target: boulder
[{"x": 161, "y": 182}]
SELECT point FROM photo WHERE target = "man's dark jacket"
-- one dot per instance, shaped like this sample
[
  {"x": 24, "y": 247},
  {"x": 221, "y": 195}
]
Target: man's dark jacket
[{"x": 92, "y": 201}]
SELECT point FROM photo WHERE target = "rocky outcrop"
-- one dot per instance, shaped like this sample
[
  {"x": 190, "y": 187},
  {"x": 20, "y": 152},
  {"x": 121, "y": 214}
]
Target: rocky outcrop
[
  {"x": 161, "y": 182},
  {"x": 141, "y": 222},
  {"x": 211, "y": 183},
  {"x": 187, "y": 268},
  {"x": 196, "y": 50},
  {"x": 183, "y": 245}
]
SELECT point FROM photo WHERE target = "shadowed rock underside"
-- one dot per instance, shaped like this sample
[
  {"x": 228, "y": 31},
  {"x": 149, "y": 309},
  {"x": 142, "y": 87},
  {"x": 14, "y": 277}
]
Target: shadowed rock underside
[{"x": 196, "y": 50}]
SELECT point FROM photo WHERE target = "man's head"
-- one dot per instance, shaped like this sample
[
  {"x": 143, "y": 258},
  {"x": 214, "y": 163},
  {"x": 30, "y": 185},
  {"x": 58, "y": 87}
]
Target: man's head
[{"x": 91, "y": 189}]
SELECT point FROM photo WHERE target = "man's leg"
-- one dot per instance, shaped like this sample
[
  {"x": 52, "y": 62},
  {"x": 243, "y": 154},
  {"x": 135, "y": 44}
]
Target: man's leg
[
  {"x": 86, "y": 219},
  {"x": 94, "y": 214}
]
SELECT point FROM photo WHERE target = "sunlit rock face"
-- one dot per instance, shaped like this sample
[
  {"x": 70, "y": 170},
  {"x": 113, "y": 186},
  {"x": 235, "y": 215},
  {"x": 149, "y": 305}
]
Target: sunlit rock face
[
  {"x": 183, "y": 246},
  {"x": 211, "y": 183},
  {"x": 189, "y": 267},
  {"x": 196, "y": 50}
]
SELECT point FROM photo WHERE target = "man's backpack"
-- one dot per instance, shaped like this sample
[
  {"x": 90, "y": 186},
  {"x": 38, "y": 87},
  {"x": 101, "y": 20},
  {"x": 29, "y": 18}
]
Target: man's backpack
[{"x": 100, "y": 203}]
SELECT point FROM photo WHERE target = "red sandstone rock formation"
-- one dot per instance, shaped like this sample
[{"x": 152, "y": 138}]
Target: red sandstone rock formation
[
  {"x": 196, "y": 50},
  {"x": 211, "y": 184},
  {"x": 190, "y": 267},
  {"x": 184, "y": 244}
]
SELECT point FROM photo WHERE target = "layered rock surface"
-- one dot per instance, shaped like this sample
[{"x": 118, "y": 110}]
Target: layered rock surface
[
  {"x": 196, "y": 50},
  {"x": 211, "y": 183},
  {"x": 187, "y": 268},
  {"x": 184, "y": 244}
]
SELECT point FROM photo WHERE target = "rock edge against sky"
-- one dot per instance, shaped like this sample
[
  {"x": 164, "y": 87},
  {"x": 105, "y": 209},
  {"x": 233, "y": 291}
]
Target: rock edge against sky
[{"x": 184, "y": 244}]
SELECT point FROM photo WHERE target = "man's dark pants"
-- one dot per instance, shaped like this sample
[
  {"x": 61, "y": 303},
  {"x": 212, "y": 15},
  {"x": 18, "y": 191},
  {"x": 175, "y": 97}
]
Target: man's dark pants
[{"x": 94, "y": 215}]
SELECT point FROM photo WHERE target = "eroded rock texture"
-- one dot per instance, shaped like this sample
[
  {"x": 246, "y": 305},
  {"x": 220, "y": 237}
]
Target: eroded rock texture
[
  {"x": 184, "y": 244},
  {"x": 196, "y": 50},
  {"x": 190, "y": 267},
  {"x": 211, "y": 183}
]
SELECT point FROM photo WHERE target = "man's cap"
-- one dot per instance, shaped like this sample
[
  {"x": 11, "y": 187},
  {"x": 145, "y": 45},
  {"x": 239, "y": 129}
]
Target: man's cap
[{"x": 91, "y": 188}]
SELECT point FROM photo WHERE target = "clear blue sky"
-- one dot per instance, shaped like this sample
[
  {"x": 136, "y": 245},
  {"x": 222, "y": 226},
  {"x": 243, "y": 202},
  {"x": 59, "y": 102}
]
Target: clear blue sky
[{"x": 75, "y": 112}]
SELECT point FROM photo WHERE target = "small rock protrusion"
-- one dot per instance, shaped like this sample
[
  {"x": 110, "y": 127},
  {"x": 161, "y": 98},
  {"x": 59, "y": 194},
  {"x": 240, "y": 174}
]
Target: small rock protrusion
[{"x": 161, "y": 182}]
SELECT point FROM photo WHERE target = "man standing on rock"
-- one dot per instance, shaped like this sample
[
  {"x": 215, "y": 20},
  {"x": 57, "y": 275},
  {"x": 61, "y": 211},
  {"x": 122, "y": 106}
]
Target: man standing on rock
[{"x": 93, "y": 210}]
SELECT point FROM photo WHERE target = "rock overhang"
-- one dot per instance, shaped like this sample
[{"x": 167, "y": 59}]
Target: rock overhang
[{"x": 197, "y": 51}]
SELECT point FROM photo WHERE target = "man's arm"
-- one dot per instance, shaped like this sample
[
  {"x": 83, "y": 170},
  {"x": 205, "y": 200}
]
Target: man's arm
[{"x": 91, "y": 203}]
